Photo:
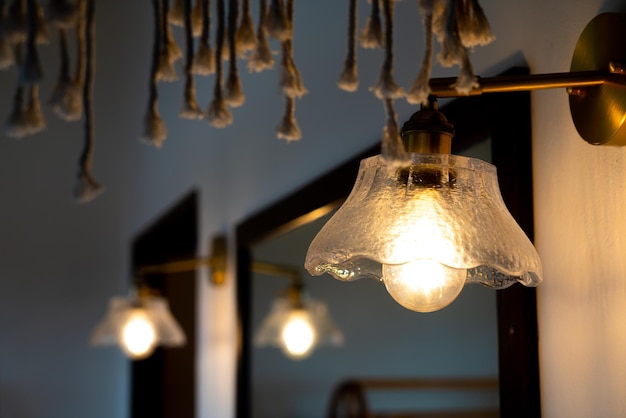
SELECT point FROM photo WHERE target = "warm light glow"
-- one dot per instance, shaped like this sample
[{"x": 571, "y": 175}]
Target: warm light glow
[
  {"x": 138, "y": 335},
  {"x": 298, "y": 335},
  {"x": 423, "y": 285}
]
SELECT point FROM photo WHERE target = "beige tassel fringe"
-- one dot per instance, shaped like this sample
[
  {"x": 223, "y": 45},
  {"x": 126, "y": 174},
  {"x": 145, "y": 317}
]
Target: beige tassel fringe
[
  {"x": 261, "y": 59},
  {"x": 289, "y": 129}
]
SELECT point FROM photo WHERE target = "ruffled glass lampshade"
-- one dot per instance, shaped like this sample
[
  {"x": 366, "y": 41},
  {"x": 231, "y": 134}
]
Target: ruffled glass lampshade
[
  {"x": 425, "y": 229},
  {"x": 297, "y": 326},
  {"x": 138, "y": 324}
]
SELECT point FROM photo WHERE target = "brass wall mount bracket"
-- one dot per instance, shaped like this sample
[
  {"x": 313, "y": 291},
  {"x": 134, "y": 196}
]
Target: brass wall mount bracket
[{"x": 596, "y": 82}]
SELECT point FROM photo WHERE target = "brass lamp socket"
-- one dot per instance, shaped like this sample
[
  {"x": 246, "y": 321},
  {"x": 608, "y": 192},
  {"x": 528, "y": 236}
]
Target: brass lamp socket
[{"x": 428, "y": 131}]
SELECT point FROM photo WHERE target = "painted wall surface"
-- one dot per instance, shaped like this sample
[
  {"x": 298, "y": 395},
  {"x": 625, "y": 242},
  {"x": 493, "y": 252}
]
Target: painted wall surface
[{"x": 61, "y": 262}]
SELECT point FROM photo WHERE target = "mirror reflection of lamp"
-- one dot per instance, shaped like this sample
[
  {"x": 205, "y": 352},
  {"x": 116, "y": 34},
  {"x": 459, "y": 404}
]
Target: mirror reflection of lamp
[{"x": 298, "y": 324}]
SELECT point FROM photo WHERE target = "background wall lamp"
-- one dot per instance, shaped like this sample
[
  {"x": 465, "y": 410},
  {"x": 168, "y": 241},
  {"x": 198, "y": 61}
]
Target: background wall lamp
[
  {"x": 296, "y": 323},
  {"x": 140, "y": 322},
  {"x": 425, "y": 222}
]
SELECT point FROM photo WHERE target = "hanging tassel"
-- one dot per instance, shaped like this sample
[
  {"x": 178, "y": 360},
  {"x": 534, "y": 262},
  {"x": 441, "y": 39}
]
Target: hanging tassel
[
  {"x": 176, "y": 15},
  {"x": 372, "y": 33},
  {"x": 42, "y": 34},
  {"x": 234, "y": 94},
  {"x": 16, "y": 126},
  {"x": 17, "y": 21},
  {"x": 204, "y": 61},
  {"x": 31, "y": 70},
  {"x": 196, "y": 19},
  {"x": 155, "y": 131},
  {"x": 62, "y": 13},
  {"x": 33, "y": 115},
  {"x": 452, "y": 50},
  {"x": 66, "y": 100},
  {"x": 191, "y": 109},
  {"x": 473, "y": 25},
  {"x": 246, "y": 38},
  {"x": 261, "y": 59},
  {"x": 386, "y": 87},
  {"x": 349, "y": 79},
  {"x": 290, "y": 79},
  {"x": 218, "y": 114},
  {"x": 276, "y": 23},
  {"x": 170, "y": 51},
  {"x": 392, "y": 148},
  {"x": 420, "y": 89},
  {"x": 289, "y": 129},
  {"x": 87, "y": 188},
  {"x": 7, "y": 58}
]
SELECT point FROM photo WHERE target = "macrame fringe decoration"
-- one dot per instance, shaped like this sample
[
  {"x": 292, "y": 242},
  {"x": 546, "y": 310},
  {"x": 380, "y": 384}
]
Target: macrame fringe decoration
[
  {"x": 67, "y": 97},
  {"x": 290, "y": 82},
  {"x": 261, "y": 59},
  {"x": 33, "y": 115},
  {"x": 66, "y": 100},
  {"x": 176, "y": 14},
  {"x": 468, "y": 15},
  {"x": 170, "y": 51},
  {"x": 196, "y": 19},
  {"x": 7, "y": 58},
  {"x": 349, "y": 79},
  {"x": 289, "y": 129},
  {"x": 392, "y": 147},
  {"x": 204, "y": 61},
  {"x": 87, "y": 188},
  {"x": 155, "y": 131},
  {"x": 234, "y": 94},
  {"x": 42, "y": 34},
  {"x": 386, "y": 87},
  {"x": 62, "y": 13},
  {"x": 31, "y": 72},
  {"x": 420, "y": 89},
  {"x": 473, "y": 26},
  {"x": 246, "y": 37},
  {"x": 372, "y": 33},
  {"x": 16, "y": 126},
  {"x": 218, "y": 114},
  {"x": 191, "y": 109},
  {"x": 276, "y": 22},
  {"x": 17, "y": 21}
]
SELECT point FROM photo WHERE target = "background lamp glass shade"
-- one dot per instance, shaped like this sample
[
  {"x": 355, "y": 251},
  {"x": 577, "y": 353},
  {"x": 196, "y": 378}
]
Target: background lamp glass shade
[
  {"x": 138, "y": 324},
  {"x": 424, "y": 230},
  {"x": 297, "y": 327}
]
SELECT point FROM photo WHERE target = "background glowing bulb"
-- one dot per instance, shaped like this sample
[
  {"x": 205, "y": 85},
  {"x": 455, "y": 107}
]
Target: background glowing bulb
[
  {"x": 423, "y": 285},
  {"x": 298, "y": 335},
  {"x": 138, "y": 335}
]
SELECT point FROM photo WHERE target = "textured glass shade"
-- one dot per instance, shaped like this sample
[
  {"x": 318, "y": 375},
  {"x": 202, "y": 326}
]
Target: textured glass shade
[
  {"x": 297, "y": 327},
  {"x": 440, "y": 210},
  {"x": 138, "y": 325}
]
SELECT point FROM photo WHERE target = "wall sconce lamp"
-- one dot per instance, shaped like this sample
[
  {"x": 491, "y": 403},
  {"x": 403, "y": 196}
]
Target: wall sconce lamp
[
  {"x": 427, "y": 227},
  {"x": 296, "y": 323},
  {"x": 140, "y": 322}
]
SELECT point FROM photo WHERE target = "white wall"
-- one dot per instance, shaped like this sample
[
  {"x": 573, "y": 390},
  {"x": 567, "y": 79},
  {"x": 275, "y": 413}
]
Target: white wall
[{"x": 61, "y": 262}]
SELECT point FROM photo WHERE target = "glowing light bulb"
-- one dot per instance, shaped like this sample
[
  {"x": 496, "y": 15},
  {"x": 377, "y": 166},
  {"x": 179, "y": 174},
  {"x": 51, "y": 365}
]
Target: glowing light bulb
[
  {"x": 298, "y": 336},
  {"x": 423, "y": 285},
  {"x": 138, "y": 335}
]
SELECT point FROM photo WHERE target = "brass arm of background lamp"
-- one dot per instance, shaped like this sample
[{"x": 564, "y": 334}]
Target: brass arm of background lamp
[{"x": 217, "y": 263}]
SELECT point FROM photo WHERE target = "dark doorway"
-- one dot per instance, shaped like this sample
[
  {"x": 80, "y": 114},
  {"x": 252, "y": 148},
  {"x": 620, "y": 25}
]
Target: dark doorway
[{"x": 163, "y": 385}]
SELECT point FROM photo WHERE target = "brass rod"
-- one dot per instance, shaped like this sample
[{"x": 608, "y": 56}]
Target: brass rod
[
  {"x": 271, "y": 269},
  {"x": 442, "y": 87},
  {"x": 433, "y": 383},
  {"x": 176, "y": 266}
]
